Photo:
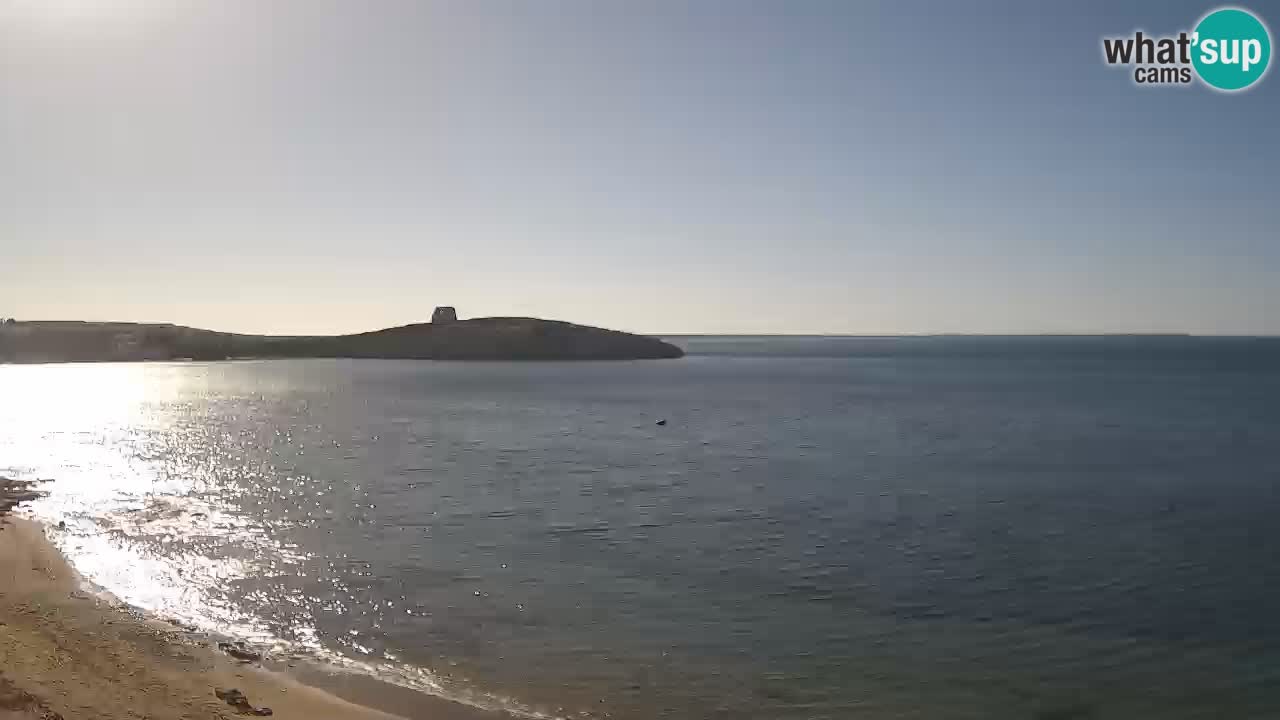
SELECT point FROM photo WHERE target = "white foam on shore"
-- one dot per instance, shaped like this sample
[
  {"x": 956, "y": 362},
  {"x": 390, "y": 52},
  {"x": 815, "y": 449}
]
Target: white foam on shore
[
  {"x": 108, "y": 550},
  {"x": 161, "y": 536}
]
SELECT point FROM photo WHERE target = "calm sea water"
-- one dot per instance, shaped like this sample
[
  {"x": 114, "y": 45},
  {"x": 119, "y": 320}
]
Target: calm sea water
[{"x": 824, "y": 528}]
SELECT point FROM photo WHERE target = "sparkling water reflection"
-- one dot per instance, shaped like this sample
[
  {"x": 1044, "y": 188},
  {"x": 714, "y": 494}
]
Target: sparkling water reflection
[
  {"x": 824, "y": 530},
  {"x": 162, "y": 475}
]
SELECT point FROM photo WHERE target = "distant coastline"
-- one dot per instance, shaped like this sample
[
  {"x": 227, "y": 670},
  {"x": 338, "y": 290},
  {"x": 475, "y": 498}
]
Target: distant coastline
[
  {"x": 495, "y": 338},
  {"x": 908, "y": 336}
]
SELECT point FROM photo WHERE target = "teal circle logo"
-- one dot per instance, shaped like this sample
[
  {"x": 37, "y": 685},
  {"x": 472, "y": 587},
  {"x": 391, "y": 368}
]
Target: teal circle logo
[{"x": 1231, "y": 49}]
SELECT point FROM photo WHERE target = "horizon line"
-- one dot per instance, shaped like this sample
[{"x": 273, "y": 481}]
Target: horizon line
[{"x": 780, "y": 335}]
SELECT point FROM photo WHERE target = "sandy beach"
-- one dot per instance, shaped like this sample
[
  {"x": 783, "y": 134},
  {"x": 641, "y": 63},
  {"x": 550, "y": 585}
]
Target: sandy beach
[{"x": 65, "y": 653}]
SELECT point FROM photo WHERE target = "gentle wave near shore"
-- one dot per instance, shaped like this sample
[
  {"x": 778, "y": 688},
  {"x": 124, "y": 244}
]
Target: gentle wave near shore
[{"x": 65, "y": 653}]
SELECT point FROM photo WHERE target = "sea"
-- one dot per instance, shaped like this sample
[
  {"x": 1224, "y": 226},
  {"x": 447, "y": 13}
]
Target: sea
[{"x": 1032, "y": 528}]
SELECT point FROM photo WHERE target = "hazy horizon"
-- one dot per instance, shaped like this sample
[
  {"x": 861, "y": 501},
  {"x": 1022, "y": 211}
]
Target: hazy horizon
[
  {"x": 725, "y": 168},
  {"x": 797, "y": 335}
]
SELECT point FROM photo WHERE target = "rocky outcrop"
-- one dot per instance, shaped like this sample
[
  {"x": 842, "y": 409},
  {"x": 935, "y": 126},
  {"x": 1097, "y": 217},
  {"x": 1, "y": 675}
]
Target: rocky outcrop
[
  {"x": 500, "y": 339},
  {"x": 444, "y": 314},
  {"x": 15, "y": 492}
]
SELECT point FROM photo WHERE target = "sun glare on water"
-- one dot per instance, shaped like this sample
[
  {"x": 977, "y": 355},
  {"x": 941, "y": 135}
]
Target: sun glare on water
[
  {"x": 78, "y": 424},
  {"x": 84, "y": 396}
]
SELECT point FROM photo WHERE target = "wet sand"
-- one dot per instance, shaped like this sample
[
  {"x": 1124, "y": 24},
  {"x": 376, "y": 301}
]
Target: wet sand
[{"x": 68, "y": 654}]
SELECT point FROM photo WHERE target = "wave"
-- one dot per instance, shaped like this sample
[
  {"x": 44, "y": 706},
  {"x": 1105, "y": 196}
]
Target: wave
[{"x": 112, "y": 547}]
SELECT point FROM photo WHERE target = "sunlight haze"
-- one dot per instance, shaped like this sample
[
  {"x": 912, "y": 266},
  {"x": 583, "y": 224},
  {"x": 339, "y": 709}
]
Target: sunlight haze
[{"x": 665, "y": 167}]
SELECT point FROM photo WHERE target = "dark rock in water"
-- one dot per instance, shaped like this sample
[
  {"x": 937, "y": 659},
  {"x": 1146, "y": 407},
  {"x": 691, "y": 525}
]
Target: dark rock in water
[
  {"x": 14, "y": 493},
  {"x": 240, "y": 652},
  {"x": 237, "y": 700}
]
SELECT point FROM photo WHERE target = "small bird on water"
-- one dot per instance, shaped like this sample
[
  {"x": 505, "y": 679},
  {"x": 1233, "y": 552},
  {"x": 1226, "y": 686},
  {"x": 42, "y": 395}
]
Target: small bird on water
[{"x": 662, "y": 422}]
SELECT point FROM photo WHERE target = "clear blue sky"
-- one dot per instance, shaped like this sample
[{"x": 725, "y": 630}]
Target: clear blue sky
[{"x": 738, "y": 167}]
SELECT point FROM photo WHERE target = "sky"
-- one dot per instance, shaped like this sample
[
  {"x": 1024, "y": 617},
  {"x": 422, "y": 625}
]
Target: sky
[{"x": 843, "y": 167}]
